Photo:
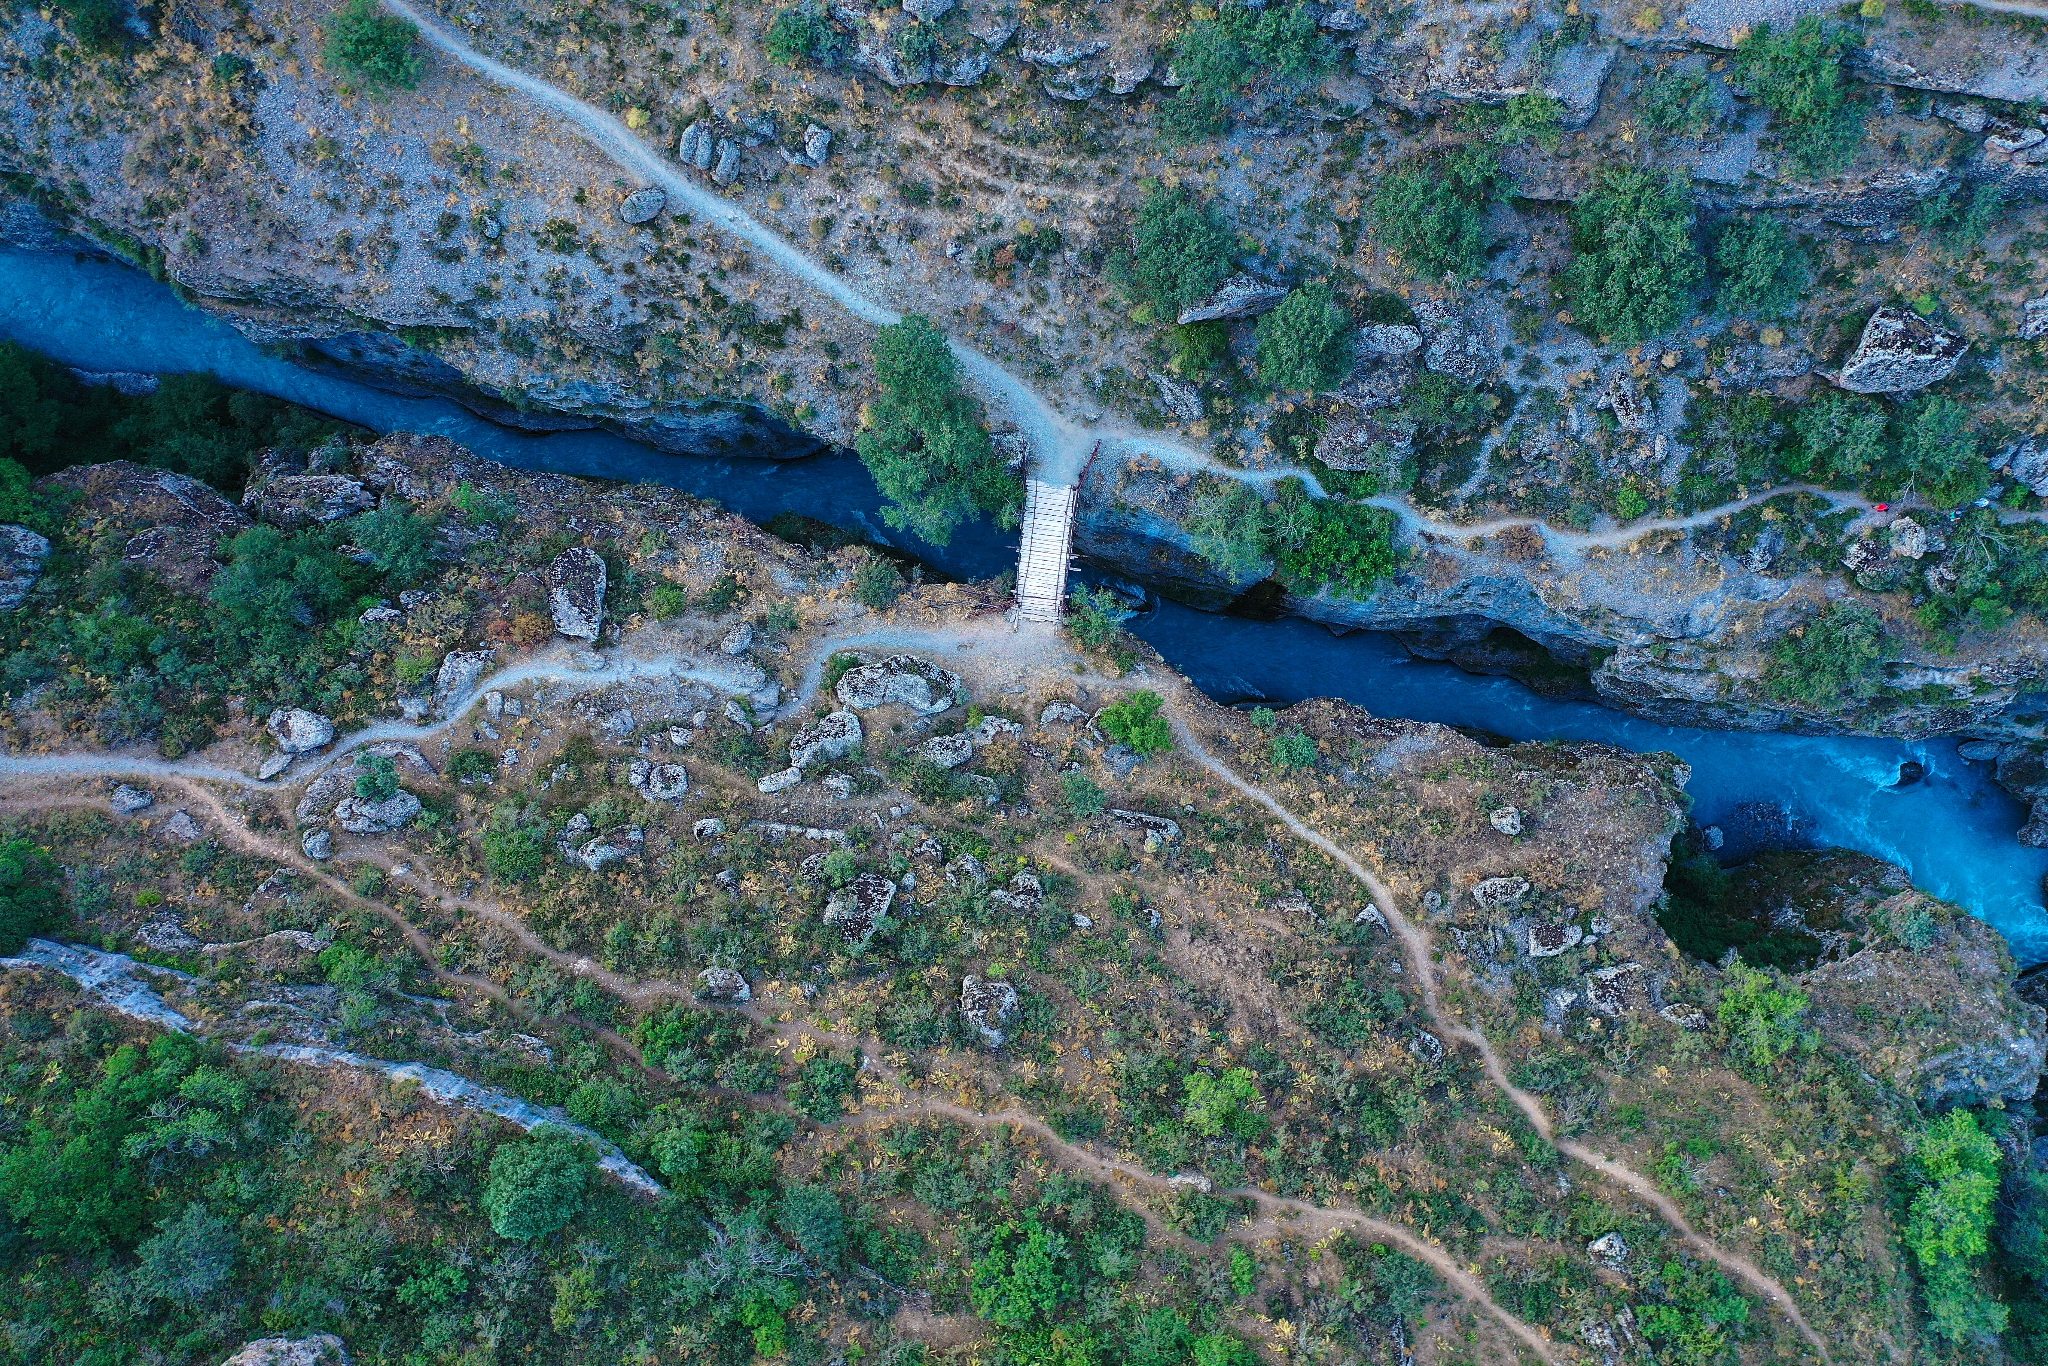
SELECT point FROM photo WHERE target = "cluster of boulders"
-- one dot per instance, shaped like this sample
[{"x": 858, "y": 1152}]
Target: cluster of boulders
[{"x": 703, "y": 147}]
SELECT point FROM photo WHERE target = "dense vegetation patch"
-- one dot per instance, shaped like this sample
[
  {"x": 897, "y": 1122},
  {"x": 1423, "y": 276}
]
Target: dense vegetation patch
[
  {"x": 924, "y": 440},
  {"x": 1636, "y": 265},
  {"x": 1430, "y": 211},
  {"x": 370, "y": 49},
  {"x": 1797, "y": 74}
]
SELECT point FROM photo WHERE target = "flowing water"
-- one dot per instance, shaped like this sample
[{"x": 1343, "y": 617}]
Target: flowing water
[{"x": 1953, "y": 831}]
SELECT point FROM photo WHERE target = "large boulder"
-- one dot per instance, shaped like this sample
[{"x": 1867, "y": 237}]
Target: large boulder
[
  {"x": 1240, "y": 296},
  {"x": 1900, "y": 351},
  {"x": 321, "y": 1349},
  {"x": 643, "y": 206},
  {"x": 168, "y": 524},
  {"x": 831, "y": 737},
  {"x": 987, "y": 1004},
  {"x": 902, "y": 679},
  {"x": 2026, "y": 463},
  {"x": 295, "y": 501},
  {"x": 362, "y": 816},
  {"x": 857, "y": 909},
  {"x": 576, "y": 584},
  {"x": 297, "y": 730},
  {"x": 457, "y": 678},
  {"x": 22, "y": 553}
]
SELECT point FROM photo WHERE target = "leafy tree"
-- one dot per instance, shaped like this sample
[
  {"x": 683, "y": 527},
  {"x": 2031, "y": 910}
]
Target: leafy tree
[
  {"x": 99, "y": 24},
  {"x": 800, "y": 34},
  {"x": 924, "y": 441},
  {"x": 1275, "y": 48},
  {"x": 537, "y": 1184},
  {"x": 1224, "y": 527},
  {"x": 823, "y": 1086},
  {"x": 399, "y": 542},
  {"x": 1939, "y": 452},
  {"x": 1025, "y": 1277},
  {"x": 31, "y": 898},
  {"x": 1953, "y": 1173},
  {"x": 1837, "y": 438},
  {"x": 1214, "y": 1106},
  {"x": 278, "y": 584},
  {"x": 1136, "y": 721},
  {"x": 1762, "y": 1016},
  {"x": 376, "y": 777},
  {"x": 1636, "y": 266},
  {"x": 1532, "y": 116},
  {"x": 1181, "y": 251},
  {"x": 1096, "y": 616},
  {"x": 1959, "y": 222},
  {"x": 190, "y": 1257},
  {"x": 513, "y": 850},
  {"x": 1798, "y": 75},
  {"x": 1305, "y": 343},
  {"x": 1695, "y": 1315},
  {"x": 1764, "y": 268},
  {"x": 813, "y": 1218},
  {"x": 1836, "y": 657},
  {"x": 371, "y": 50},
  {"x": 1318, "y": 541},
  {"x": 30, "y": 415},
  {"x": 1431, "y": 210},
  {"x": 1221, "y": 1349}
]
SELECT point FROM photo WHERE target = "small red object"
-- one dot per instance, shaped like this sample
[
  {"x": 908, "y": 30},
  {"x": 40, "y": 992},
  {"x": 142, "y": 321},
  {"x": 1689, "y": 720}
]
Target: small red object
[{"x": 1884, "y": 507}]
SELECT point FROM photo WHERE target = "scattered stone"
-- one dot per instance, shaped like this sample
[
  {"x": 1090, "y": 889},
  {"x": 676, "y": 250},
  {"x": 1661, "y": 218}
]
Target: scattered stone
[
  {"x": 361, "y": 816},
  {"x": 928, "y": 10},
  {"x": 696, "y": 146},
  {"x": 1061, "y": 714},
  {"x": 947, "y": 751},
  {"x": 1159, "y": 831},
  {"x": 2034, "y": 319},
  {"x": 986, "y": 1004},
  {"x": 738, "y": 640},
  {"x": 576, "y": 585},
  {"x": 1506, "y": 819},
  {"x": 1548, "y": 940},
  {"x": 22, "y": 555},
  {"x": 1686, "y": 1016},
  {"x": 838, "y": 785},
  {"x": 710, "y": 828},
  {"x": 297, "y": 730},
  {"x": 295, "y": 501},
  {"x": 1182, "y": 401},
  {"x": 127, "y": 800},
  {"x": 272, "y": 767},
  {"x": 817, "y": 144},
  {"x": 381, "y": 615},
  {"x": 858, "y": 908},
  {"x": 460, "y": 673},
  {"x": 1427, "y": 1047},
  {"x": 821, "y": 742},
  {"x": 727, "y": 168},
  {"x": 902, "y": 679},
  {"x": 182, "y": 826},
  {"x": 781, "y": 780},
  {"x": 1240, "y": 296},
  {"x": 1389, "y": 339},
  {"x": 1083, "y": 922},
  {"x": 1900, "y": 351},
  {"x": 1614, "y": 991},
  {"x": 737, "y": 714},
  {"x": 993, "y": 728},
  {"x": 967, "y": 869},
  {"x": 1610, "y": 1250},
  {"x": 723, "y": 986},
  {"x": 318, "y": 845},
  {"x": 1499, "y": 893},
  {"x": 598, "y": 852},
  {"x": 660, "y": 782},
  {"x": 1625, "y": 398},
  {"x": 1024, "y": 894},
  {"x": 643, "y": 206}
]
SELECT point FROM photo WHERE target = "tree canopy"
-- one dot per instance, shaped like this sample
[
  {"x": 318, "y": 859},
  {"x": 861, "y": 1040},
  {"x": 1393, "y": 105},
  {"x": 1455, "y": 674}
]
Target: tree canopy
[{"x": 925, "y": 442}]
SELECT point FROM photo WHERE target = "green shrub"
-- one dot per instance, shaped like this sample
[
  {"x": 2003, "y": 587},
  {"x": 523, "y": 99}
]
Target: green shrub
[
  {"x": 1694, "y": 1315},
  {"x": 800, "y": 34},
  {"x": 1838, "y": 656},
  {"x": 877, "y": 585},
  {"x": 1275, "y": 49},
  {"x": 823, "y": 1086},
  {"x": 1214, "y": 1106},
  {"x": 1224, "y": 527},
  {"x": 1136, "y": 721},
  {"x": 1798, "y": 75},
  {"x": 31, "y": 897},
  {"x": 925, "y": 443},
  {"x": 371, "y": 50},
  {"x": 376, "y": 777},
  {"x": 1960, "y": 222},
  {"x": 537, "y": 1185},
  {"x": 98, "y": 24},
  {"x": 1441, "y": 403},
  {"x": 667, "y": 600},
  {"x": 1680, "y": 99},
  {"x": 815, "y": 1222},
  {"x": 1430, "y": 211},
  {"x": 1762, "y": 1016},
  {"x": 1953, "y": 1175},
  {"x": 1305, "y": 343},
  {"x": 1081, "y": 795},
  {"x": 1636, "y": 266},
  {"x": 1181, "y": 251},
  {"x": 1764, "y": 268},
  {"x": 1024, "y": 1278},
  {"x": 514, "y": 852},
  {"x": 1293, "y": 749},
  {"x": 1837, "y": 438},
  {"x": 1532, "y": 116}
]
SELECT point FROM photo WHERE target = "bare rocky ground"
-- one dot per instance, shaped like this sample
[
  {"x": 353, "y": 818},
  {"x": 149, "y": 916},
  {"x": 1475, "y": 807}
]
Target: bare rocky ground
[{"x": 1441, "y": 962}]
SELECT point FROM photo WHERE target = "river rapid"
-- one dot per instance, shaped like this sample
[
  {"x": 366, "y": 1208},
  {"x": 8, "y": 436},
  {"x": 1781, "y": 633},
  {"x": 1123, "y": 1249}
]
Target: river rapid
[{"x": 1953, "y": 830}]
